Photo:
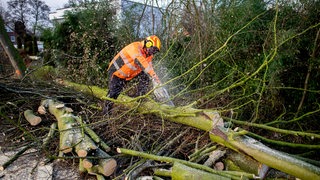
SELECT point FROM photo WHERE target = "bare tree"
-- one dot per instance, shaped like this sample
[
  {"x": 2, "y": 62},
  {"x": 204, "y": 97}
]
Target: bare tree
[
  {"x": 18, "y": 10},
  {"x": 39, "y": 13},
  {"x": 2, "y": 10},
  {"x": 31, "y": 12}
]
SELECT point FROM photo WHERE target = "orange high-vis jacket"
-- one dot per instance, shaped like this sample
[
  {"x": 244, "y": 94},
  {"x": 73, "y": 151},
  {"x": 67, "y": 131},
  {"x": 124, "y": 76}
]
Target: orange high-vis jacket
[{"x": 130, "y": 61}]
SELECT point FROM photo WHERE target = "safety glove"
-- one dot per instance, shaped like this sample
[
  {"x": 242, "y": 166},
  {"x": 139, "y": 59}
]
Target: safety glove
[{"x": 161, "y": 93}]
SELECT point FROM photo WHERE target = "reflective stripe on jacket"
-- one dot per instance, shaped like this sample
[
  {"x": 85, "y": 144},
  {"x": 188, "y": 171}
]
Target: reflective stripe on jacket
[{"x": 130, "y": 61}]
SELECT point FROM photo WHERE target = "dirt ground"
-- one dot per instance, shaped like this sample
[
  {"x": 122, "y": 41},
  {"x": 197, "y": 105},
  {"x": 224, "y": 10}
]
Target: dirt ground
[{"x": 32, "y": 166}]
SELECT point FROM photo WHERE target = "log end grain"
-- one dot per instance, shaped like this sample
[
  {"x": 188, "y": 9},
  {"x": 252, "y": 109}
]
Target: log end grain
[
  {"x": 87, "y": 163},
  {"x": 82, "y": 153},
  {"x": 42, "y": 110},
  {"x": 109, "y": 167}
]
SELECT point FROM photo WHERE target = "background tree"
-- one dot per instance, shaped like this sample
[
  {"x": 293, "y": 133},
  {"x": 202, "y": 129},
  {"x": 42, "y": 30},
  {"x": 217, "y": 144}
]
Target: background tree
[
  {"x": 39, "y": 12},
  {"x": 32, "y": 14},
  {"x": 2, "y": 10},
  {"x": 18, "y": 10},
  {"x": 85, "y": 42}
]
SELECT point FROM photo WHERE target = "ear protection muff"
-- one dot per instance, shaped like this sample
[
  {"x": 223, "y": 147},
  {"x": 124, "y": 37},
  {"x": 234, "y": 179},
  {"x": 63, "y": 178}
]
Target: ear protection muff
[{"x": 148, "y": 43}]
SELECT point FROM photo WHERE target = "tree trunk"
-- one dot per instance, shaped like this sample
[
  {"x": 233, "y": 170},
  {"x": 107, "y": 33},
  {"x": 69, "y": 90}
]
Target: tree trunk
[{"x": 12, "y": 53}]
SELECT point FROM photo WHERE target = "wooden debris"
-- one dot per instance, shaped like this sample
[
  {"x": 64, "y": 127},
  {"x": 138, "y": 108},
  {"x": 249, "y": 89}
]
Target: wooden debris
[
  {"x": 31, "y": 118},
  {"x": 73, "y": 137},
  {"x": 213, "y": 157},
  {"x": 219, "y": 166}
]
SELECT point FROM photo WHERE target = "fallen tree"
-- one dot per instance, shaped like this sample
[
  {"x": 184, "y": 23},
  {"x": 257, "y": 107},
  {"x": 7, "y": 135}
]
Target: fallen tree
[
  {"x": 211, "y": 122},
  {"x": 11, "y": 51}
]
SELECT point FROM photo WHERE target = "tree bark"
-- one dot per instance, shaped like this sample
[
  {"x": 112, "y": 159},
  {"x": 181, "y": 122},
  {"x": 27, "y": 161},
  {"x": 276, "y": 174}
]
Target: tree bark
[
  {"x": 12, "y": 53},
  {"x": 245, "y": 163},
  {"x": 183, "y": 172}
]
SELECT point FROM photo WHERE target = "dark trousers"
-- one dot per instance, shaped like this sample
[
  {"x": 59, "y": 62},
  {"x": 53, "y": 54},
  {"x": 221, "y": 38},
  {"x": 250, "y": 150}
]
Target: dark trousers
[{"x": 117, "y": 84}]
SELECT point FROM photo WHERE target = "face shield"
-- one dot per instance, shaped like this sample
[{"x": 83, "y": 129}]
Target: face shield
[{"x": 152, "y": 50}]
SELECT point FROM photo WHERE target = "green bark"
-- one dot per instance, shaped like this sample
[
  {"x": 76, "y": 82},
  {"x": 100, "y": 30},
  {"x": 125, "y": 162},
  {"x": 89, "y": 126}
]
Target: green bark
[
  {"x": 225, "y": 174},
  {"x": 183, "y": 172},
  {"x": 11, "y": 51},
  {"x": 270, "y": 157}
]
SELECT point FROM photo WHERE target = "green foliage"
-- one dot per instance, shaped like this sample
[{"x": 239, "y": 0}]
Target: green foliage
[
  {"x": 85, "y": 42},
  {"x": 43, "y": 73},
  {"x": 248, "y": 57}
]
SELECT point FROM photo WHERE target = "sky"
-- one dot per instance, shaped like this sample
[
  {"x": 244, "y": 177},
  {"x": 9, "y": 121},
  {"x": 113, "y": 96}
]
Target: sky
[{"x": 53, "y": 4}]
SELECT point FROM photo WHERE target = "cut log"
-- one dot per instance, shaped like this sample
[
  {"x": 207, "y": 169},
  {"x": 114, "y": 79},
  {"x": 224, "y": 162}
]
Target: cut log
[
  {"x": 106, "y": 164},
  {"x": 42, "y": 109},
  {"x": 247, "y": 164},
  {"x": 74, "y": 138},
  {"x": 31, "y": 118},
  {"x": 87, "y": 164},
  {"x": 84, "y": 146},
  {"x": 219, "y": 166},
  {"x": 67, "y": 132}
]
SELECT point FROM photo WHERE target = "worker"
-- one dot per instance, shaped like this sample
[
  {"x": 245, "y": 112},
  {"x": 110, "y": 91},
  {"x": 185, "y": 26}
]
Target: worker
[{"x": 135, "y": 61}]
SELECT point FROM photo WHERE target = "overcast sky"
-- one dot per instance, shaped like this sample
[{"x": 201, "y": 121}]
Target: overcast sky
[{"x": 53, "y": 4}]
